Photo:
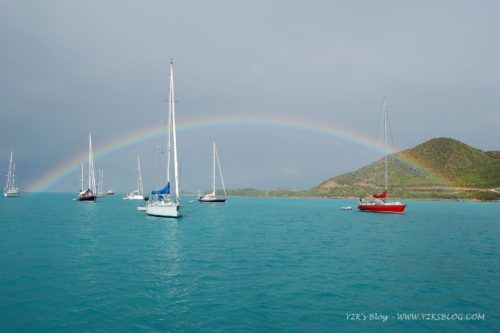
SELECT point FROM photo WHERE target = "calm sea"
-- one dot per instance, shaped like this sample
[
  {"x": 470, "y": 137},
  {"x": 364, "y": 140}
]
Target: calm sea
[{"x": 250, "y": 265}]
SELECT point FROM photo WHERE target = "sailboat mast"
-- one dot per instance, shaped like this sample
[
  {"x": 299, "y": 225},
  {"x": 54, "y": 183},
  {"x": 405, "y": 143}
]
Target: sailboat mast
[
  {"x": 174, "y": 135},
  {"x": 10, "y": 183},
  {"x": 90, "y": 163},
  {"x": 140, "y": 188},
  {"x": 213, "y": 175},
  {"x": 13, "y": 175},
  {"x": 385, "y": 140},
  {"x": 101, "y": 181},
  {"x": 170, "y": 107},
  {"x": 92, "y": 185},
  {"x": 220, "y": 171}
]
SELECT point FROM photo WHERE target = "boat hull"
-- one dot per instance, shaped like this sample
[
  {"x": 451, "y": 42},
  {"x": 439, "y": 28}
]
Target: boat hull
[
  {"x": 87, "y": 198},
  {"x": 11, "y": 194},
  {"x": 217, "y": 200},
  {"x": 134, "y": 197},
  {"x": 395, "y": 208},
  {"x": 164, "y": 210}
]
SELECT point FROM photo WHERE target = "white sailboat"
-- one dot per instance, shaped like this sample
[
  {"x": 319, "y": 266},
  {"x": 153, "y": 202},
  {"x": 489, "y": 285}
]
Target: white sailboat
[
  {"x": 100, "y": 183},
  {"x": 211, "y": 197},
  {"x": 138, "y": 194},
  {"x": 11, "y": 190},
  {"x": 90, "y": 193},
  {"x": 161, "y": 202}
]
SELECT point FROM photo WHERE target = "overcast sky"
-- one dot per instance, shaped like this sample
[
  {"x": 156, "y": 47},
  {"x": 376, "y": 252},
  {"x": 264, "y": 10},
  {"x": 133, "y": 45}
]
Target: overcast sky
[{"x": 68, "y": 68}]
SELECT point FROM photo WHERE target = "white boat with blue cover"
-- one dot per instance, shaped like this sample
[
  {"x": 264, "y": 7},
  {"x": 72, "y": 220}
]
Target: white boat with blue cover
[{"x": 162, "y": 203}]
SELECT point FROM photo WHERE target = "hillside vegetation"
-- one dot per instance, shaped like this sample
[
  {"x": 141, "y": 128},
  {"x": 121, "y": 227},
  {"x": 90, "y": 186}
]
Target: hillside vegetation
[{"x": 438, "y": 168}]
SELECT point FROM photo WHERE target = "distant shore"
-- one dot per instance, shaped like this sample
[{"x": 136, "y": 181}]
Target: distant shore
[{"x": 305, "y": 194}]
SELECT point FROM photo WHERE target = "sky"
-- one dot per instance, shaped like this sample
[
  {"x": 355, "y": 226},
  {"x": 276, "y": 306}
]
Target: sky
[{"x": 291, "y": 91}]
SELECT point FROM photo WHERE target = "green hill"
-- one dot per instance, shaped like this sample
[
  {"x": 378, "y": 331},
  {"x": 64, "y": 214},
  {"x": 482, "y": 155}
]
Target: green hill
[{"x": 438, "y": 168}]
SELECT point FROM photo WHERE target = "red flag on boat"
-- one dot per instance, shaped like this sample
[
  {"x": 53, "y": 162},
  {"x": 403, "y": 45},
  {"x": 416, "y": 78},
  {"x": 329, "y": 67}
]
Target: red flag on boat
[{"x": 381, "y": 195}]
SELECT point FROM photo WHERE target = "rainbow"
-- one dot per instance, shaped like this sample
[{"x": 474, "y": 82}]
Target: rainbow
[{"x": 124, "y": 141}]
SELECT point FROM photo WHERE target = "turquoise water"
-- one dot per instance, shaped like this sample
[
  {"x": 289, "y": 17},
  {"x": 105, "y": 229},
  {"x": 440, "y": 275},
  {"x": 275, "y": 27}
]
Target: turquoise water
[{"x": 251, "y": 265}]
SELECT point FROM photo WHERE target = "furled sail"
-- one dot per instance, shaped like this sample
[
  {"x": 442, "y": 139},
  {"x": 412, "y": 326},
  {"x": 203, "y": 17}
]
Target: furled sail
[{"x": 165, "y": 190}]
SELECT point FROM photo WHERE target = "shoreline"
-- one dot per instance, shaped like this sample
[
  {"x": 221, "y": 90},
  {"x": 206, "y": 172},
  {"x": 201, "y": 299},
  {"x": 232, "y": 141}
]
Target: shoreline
[{"x": 357, "y": 198}]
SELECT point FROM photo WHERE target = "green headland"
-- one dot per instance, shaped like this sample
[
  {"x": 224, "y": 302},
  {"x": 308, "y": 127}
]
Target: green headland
[{"x": 440, "y": 168}]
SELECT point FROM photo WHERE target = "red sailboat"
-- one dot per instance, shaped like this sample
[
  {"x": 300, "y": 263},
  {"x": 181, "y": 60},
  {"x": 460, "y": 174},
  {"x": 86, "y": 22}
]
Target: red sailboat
[{"x": 379, "y": 203}]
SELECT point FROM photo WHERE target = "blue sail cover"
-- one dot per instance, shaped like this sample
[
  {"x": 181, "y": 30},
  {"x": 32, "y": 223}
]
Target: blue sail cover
[{"x": 165, "y": 190}]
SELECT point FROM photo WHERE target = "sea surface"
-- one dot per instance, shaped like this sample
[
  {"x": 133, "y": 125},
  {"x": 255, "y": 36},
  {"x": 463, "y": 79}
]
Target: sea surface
[{"x": 250, "y": 265}]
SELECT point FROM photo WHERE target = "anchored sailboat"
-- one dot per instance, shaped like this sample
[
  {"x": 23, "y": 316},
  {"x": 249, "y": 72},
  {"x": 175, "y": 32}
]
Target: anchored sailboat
[
  {"x": 161, "y": 202},
  {"x": 138, "y": 194},
  {"x": 11, "y": 190},
  {"x": 100, "y": 183},
  {"x": 90, "y": 193},
  {"x": 378, "y": 203},
  {"x": 211, "y": 197}
]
